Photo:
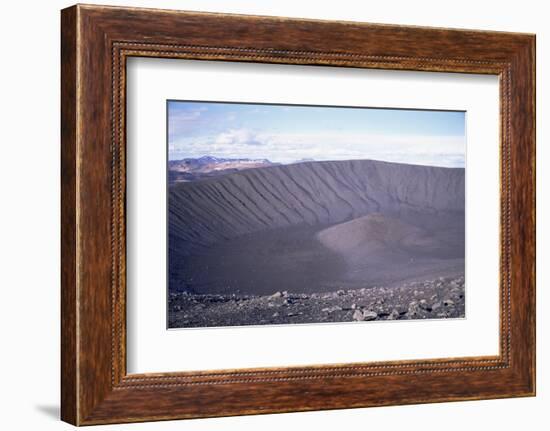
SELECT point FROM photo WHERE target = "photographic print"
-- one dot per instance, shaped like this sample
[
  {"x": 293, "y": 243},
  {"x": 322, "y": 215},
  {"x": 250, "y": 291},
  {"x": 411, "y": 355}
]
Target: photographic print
[{"x": 292, "y": 214}]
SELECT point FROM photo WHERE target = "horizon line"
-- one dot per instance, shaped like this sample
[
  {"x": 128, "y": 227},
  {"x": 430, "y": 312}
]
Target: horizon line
[{"x": 315, "y": 161}]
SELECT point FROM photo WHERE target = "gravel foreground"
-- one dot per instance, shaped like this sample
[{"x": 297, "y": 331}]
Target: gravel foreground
[{"x": 434, "y": 299}]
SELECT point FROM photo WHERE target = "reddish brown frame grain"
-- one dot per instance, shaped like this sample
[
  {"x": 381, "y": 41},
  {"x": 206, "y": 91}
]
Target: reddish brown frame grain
[{"x": 96, "y": 41}]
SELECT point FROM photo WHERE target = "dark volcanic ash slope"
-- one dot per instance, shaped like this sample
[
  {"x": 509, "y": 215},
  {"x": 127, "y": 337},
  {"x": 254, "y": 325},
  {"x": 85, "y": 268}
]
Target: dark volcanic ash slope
[
  {"x": 285, "y": 227},
  {"x": 383, "y": 249}
]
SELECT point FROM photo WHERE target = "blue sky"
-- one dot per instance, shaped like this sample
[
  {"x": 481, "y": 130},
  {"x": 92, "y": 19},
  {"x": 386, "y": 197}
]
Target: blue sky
[{"x": 290, "y": 133}]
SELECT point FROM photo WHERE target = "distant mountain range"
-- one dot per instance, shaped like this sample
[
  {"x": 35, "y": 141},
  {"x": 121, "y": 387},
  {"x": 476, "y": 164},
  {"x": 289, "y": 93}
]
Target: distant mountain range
[{"x": 192, "y": 169}]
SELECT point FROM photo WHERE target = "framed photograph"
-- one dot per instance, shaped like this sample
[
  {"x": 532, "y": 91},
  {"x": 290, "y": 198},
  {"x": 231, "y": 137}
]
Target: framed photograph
[{"x": 263, "y": 214}]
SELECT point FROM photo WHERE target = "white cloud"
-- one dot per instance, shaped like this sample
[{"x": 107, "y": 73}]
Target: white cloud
[
  {"x": 237, "y": 137},
  {"x": 290, "y": 147}
]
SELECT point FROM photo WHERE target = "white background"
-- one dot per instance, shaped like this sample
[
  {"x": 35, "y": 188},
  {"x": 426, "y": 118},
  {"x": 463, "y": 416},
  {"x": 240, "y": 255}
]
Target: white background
[
  {"x": 151, "y": 348},
  {"x": 29, "y": 217}
]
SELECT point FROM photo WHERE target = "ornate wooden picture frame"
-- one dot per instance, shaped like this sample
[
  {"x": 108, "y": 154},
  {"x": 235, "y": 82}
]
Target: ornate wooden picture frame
[{"x": 96, "y": 41}]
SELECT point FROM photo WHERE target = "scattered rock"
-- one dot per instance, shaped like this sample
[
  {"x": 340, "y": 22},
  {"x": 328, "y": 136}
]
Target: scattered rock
[
  {"x": 436, "y": 306},
  {"x": 358, "y": 315},
  {"x": 401, "y": 309},
  {"x": 370, "y": 315},
  {"x": 393, "y": 315},
  {"x": 362, "y": 304},
  {"x": 364, "y": 315},
  {"x": 332, "y": 309},
  {"x": 425, "y": 305}
]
